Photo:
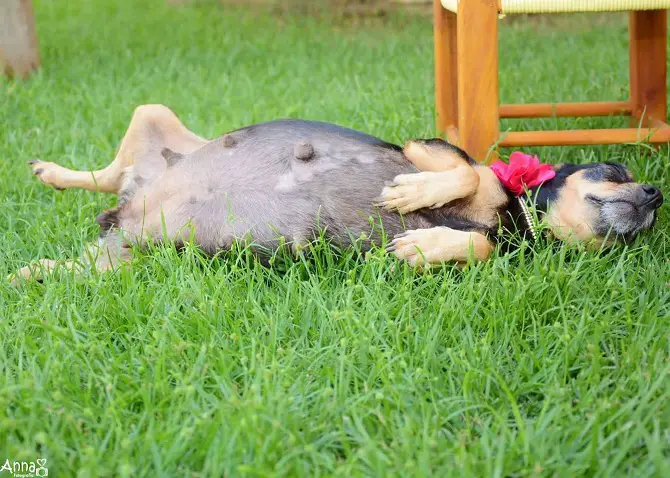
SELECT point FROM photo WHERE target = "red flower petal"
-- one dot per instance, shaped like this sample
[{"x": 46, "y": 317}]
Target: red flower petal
[
  {"x": 520, "y": 161},
  {"x": 523, "y": 172},
  {"x": 500, "y": 169}
]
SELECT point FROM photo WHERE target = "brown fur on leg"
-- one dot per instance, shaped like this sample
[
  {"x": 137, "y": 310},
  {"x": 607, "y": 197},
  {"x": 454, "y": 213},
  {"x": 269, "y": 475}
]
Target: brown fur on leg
[
  {"x": 110, "y": 252},
  {"x": 440, "y": 244},
  {"x": 411, "y": 192},
  {"x": 447, "y": 175},
  {"x": 435, "y": 155},
  {"x": 152, "y": 127}
]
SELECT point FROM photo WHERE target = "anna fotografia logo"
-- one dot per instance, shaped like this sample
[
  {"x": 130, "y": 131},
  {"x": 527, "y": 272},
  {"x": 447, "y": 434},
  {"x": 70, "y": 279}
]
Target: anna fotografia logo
[{"x": 25, "y": 469}]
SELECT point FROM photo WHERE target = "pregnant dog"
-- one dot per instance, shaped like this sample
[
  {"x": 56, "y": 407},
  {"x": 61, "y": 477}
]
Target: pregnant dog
[{"x": 289, "y": 181}]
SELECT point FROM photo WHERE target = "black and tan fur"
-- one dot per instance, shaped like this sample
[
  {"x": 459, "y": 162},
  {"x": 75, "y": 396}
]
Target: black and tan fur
[{"x": 291, "y": 180}]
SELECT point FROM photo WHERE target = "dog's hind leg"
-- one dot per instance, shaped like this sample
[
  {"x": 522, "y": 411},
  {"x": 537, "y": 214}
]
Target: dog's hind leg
[
  {"x": 110, "y": 252},
  {"x": 152, "y": 128}
]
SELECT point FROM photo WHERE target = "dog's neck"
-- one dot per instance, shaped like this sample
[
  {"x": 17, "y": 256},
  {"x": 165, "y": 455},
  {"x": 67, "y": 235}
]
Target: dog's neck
[
  {"x": 521, "y": 214},
  {"x": 518, "y": 217}
]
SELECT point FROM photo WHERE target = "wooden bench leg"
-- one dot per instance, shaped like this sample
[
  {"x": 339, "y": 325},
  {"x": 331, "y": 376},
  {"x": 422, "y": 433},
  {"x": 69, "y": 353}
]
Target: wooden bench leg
[
  {"x": 446, "y": 68},
  {"x": 478, "y": 118},
  {"x": 648, "y": 66}
]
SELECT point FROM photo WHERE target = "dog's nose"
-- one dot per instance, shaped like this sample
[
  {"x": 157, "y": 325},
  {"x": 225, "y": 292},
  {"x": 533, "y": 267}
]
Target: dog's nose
[
  {"x": 651, "y": 190},
  {"x": 654, "y": 197}
]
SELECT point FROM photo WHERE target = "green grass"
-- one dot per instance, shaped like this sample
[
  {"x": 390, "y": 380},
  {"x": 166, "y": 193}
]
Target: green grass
[{"x": 546, "y": 362}]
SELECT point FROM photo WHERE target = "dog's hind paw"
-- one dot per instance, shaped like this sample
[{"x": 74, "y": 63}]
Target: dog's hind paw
[
  {"x": 15, "y": 278},
  {"x": 48, "y": 173},
  {"x": 34, "y": 271}
]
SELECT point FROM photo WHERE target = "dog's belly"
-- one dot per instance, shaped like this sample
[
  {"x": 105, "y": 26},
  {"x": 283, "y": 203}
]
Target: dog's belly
[{"x": 287, "y": 179}]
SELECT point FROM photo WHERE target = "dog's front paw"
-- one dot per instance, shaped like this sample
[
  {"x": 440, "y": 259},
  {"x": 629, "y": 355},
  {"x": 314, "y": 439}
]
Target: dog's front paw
[
  {"x": 436, "y": 245},
  {"x": 418, "y": 247},
  {"x": 411, "y": 192},
  {"x": 48, "y": 173}
]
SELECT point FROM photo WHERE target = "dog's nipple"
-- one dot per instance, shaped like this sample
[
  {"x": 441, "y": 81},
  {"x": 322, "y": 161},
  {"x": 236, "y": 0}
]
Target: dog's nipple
[
  {"x": 303, "y": 151},
  {"x": 171, "y": 157},
  {"x": 228, "y": 141}
]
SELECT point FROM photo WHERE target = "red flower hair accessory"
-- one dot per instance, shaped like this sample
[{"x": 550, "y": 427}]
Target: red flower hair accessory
[{"x": 523, "y": 172}]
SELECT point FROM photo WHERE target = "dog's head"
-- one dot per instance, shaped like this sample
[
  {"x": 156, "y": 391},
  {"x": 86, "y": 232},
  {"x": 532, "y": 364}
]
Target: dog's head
[{"x": 596, "y": 201}]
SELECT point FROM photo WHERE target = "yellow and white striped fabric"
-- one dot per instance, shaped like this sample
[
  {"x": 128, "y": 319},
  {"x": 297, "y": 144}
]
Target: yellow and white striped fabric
[{"x": 568, "y": 6}]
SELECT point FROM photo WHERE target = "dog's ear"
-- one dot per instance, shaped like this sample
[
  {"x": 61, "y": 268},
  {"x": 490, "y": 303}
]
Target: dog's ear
[{"x": 435, "y": 155}]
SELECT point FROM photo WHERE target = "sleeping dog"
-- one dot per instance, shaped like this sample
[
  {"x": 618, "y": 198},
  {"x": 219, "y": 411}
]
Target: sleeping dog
[{"x": 292, "y": 180}]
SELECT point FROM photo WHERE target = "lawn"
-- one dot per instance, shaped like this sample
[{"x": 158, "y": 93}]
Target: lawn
[{"x": 550, "y": 361}]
